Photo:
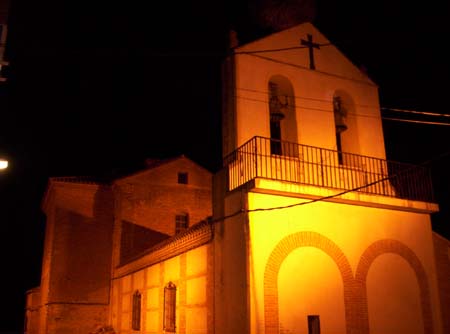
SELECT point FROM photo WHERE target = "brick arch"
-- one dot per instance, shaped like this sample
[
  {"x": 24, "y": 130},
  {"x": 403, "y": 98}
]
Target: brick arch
[
  {"x": 396, "y": 247},
  {"x": 279, "y": 254}
]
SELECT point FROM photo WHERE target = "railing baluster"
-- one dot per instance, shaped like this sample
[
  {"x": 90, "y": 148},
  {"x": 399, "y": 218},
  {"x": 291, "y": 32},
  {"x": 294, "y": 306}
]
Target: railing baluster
[{"x": 319, "y": 167}]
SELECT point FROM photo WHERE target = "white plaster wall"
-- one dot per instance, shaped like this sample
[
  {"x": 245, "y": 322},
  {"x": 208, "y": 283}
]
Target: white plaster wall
[
  {"x": 231, "y": 314},
  {"x": 313, "y": 90},
  {"x": 393, "y": 297},
  {"x": 187, "y": 271},
  {"x": 310, "y": 283},
  {"x": 314, "y": 110},
  {"x": 352, "y": 228}
]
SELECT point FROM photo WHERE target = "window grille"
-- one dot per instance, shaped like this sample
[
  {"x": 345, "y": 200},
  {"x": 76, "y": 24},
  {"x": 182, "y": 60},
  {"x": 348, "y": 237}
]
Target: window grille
[
  {"x": 181, "y": 223},
  {"x": 170, "y": 293},
  {"x": 136, "y": 311},
  {"x": 182, "y": 178}
]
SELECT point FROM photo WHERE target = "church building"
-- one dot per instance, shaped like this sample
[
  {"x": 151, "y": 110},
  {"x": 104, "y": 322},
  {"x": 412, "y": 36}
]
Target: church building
[{"x": 307, "y": 228}]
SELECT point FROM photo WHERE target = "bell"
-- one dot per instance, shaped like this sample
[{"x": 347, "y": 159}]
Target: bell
[
  {"x": 276, "y": 116},
  {"x": 339, "y": 115},
  {"x": 339, "y": 121},
  {"x": 341, "y": 128},
  {"x": 277, "y": 109}
]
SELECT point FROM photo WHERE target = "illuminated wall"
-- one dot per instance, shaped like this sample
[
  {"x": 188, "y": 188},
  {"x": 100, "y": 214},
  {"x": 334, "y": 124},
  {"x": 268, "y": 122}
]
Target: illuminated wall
[
  {"x": 74, "y": 291},
  {"x": 80, "y": 256},
  {"x": 32, "y": 314},
  {"x": 358, "y": 262},
  {"x": 442, "y": 253},
  {"x": 362, "y": 263},
  {"x": 190, "y": 272},
  {"x": 340, "y": 262},
  {"x": 231, "y": 285},
  {"x": 246, "y": 78},
  {"x": 153, "y": 197}
]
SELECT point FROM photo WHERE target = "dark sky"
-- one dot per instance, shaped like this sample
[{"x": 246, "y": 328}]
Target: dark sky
[{"x": 96, "y": 87}]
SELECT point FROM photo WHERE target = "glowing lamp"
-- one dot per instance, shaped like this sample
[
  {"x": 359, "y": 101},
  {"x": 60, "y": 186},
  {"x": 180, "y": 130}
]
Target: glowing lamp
[{"x": 3, "y": 164}]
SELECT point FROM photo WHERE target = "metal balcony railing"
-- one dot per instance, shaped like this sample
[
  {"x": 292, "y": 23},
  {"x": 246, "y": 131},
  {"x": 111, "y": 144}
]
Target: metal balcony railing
[{"x": 285, "y": 161}]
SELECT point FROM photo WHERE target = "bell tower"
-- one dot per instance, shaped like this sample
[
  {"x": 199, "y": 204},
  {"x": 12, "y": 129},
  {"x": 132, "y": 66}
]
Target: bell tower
[
  {"x": 271, "y": 90},
  {"x": 309, "y": 199}
]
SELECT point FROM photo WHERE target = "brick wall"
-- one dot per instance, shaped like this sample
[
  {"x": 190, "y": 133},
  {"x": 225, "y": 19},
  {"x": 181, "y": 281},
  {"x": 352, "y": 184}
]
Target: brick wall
[
  {"x": 355, "y": 298},
  {"x": 152, "y": 199},
  {"x": 81, "y": 259},
  {"x": 75, "y": 318},
  {"x": 77, "y": 259},
  {"x": 32, "y": 309},
  {"x": 442, "y": 253}
]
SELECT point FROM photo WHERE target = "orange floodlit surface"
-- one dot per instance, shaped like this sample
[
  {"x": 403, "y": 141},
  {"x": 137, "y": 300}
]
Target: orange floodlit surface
[{"x": 3, "y": 164}]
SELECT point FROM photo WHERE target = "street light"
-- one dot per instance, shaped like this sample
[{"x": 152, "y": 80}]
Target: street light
[{"x": 3, "y": 163}]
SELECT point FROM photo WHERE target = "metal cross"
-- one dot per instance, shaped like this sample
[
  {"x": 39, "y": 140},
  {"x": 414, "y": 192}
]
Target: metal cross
[{"x": 309, "y": 43}]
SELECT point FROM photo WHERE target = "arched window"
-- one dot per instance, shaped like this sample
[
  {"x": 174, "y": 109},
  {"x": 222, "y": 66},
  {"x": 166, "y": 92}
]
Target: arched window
[
  {"x": 170, "y": 294},
  {"x": 283, "y": 124},
  {"x": 347, "y": 140},
  {"x": 136, "y": 311}
]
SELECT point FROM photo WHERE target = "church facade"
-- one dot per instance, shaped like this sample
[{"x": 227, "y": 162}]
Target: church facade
[{"x": 306, "y": 229}]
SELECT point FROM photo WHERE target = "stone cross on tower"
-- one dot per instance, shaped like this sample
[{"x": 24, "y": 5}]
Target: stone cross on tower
[{"x": 309, "y": 43}]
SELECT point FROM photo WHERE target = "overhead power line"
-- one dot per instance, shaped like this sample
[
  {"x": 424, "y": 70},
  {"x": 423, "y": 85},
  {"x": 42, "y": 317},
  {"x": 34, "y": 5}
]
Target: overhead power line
[
  {"x": 353, "y": 114},
  {"x": 414, "y": 121},
  {"x": 304, "y": 107},
  {"x": 301, "y": 203},
  {"x": 427, "y": 113},
  {"x": 427, "y": 162},
  {"x": 266, "y": 93},
  {"x": 277, "y": 50},
  {"x": 295, "y": 97}
]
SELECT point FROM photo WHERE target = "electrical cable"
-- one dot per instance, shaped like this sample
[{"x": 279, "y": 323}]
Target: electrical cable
[
  {"x": 440, "y": 156},
  {"x": 277, "y": 50},
  {"x": 427, "y": 113},
  {"x": 414, "y": 121},
  {"x": 354, "y": 114},
  {"x": 368, "y": 83},
  {"x": 304, "y": 107}
]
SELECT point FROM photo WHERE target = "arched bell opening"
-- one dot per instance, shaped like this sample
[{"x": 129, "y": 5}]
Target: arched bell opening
[
  {"x": 283, "y": 123},
  {"x": 346, "y": 129}
]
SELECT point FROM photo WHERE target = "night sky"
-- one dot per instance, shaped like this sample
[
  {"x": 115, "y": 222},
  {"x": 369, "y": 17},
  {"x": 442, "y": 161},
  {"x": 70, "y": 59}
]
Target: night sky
[{"x": 95, "y": 88}]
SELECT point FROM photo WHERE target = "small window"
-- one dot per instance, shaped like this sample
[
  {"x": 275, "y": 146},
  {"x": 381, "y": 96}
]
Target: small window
[
  {"x": 313, "y": 324},
  {"x": 182, "y": 178},
  {"x": 136, "y": 312},
  {"x": 170, "y": 294},
  {"x": 181, "y": 223}
]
